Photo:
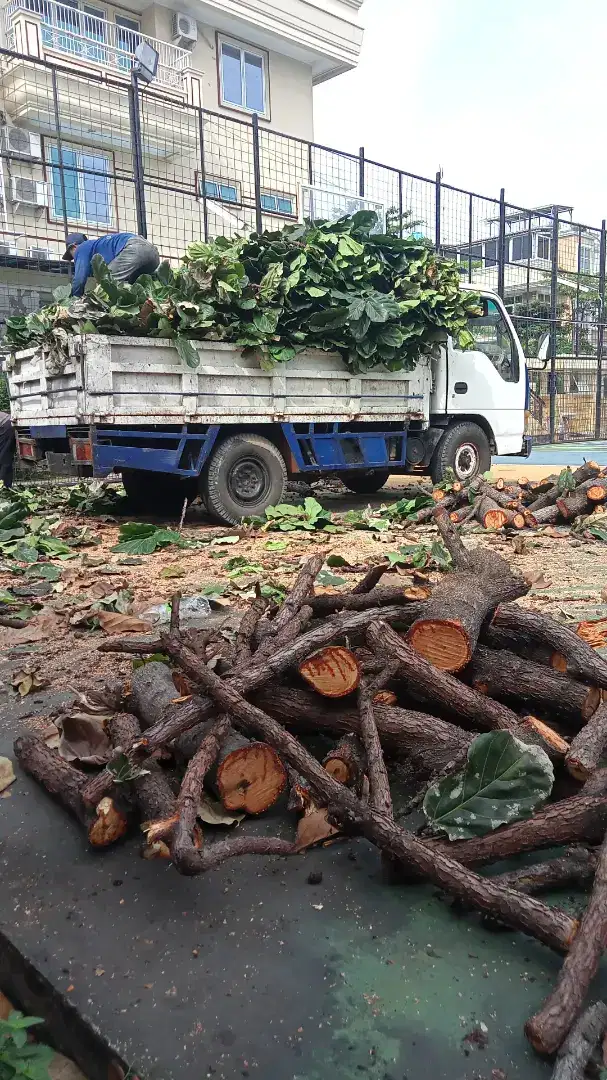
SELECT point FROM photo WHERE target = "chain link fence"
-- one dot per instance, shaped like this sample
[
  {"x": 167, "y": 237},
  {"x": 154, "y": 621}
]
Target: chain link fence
[{"x": 100, "y": 153}]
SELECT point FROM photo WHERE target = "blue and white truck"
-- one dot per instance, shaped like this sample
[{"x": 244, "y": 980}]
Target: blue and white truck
[{"x": 234, "y": 432}]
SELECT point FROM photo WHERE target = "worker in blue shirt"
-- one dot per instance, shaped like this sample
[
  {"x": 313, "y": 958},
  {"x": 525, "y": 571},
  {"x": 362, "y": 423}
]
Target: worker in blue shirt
[{"x": 127, "y": 257}]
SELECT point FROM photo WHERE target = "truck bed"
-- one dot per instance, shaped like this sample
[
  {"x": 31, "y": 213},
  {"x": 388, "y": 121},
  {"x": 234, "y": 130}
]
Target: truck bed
[{"x": 136, "y": 381}]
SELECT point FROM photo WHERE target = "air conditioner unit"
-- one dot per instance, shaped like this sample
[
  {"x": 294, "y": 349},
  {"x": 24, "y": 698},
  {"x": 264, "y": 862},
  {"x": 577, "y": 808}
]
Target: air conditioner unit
[
  {"x": 29, "y": 192},
  {"x": 7, "y": 249},
  {"x": 185, "y": 30},
  {"x": 39, "y": 253},
  {"x": 24, "y": 143}
]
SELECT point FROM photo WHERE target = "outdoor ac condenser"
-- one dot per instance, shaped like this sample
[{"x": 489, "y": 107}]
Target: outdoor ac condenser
[
  {"x": 185, "y": 30},
  {"x": 29, "y": 192},
  {"x": 20, "y": 142}
]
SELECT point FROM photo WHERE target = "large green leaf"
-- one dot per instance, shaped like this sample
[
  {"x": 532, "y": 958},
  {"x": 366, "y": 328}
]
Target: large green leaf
[
  {"x": 142, "y": 539},
  {"x": 504, "y": 780}
]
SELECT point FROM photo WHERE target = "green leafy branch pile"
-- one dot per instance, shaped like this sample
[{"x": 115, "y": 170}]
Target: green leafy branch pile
[
  {"x": 378, "y": 300},
  {"x": 18, "y": 1056}
]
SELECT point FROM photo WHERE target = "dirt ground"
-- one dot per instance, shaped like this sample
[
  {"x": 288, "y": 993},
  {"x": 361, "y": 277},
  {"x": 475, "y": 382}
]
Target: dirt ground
[{"x": 573, "y": 583}]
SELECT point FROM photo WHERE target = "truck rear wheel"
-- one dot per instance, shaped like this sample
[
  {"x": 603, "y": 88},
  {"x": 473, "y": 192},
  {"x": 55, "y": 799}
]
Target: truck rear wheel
[
  {"x": 365, "y": 482},
  {"x": 464, "y": 448},
  {"x": 246, "y": 474}
]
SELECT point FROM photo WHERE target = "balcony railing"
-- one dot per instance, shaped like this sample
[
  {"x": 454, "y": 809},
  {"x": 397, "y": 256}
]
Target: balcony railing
[{"x": 69, "y": 30}]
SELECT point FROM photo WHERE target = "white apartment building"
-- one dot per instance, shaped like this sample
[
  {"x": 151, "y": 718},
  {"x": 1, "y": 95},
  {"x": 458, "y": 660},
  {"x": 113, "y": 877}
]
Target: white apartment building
[{"x": 66, "y": 126}]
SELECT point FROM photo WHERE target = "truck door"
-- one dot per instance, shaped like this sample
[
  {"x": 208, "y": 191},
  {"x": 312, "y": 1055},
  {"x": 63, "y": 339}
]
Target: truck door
[{"x": 489, "y": 380}]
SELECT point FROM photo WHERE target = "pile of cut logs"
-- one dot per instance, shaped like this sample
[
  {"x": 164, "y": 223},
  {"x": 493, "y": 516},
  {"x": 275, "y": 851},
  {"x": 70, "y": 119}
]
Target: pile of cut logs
[
  {"x": 498, "y": 504},
  {"x": 418, "y": 679}
]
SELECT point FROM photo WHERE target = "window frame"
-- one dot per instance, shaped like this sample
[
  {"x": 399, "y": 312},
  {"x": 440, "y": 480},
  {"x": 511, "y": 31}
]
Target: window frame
[
  {"x": 221, "y": 182},
  {"x": 277, "y": 195},
  {"x": 587, "y": 249},
  {"x": 255, "y": 50},
  {"x": 112, "y": 224},
  {"x": 544, "y": 238}
]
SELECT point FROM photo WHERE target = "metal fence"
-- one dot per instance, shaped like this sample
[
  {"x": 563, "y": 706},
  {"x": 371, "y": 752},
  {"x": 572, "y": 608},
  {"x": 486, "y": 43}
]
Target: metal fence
[{"x": 95, "y": 152}]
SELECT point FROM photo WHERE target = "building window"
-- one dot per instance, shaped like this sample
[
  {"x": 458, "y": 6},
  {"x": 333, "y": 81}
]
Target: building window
[
  {"x": 585, "y": 258},
  {"x": 520, "y": 248},
  {"x": 243, "y": 77},
  {"x": 491, "y": 253},
  {"x": 544, "y": 245},
  {"x": 221, "y": 190},
  {"x": 278, "y": 204},
  {"x": 86, "y": 184}
]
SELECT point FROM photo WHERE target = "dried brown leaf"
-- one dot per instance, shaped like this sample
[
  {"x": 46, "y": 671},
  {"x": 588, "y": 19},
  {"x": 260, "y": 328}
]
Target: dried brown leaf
[
  {"x": 7, "y": 773},
  {"x": 115, "y": 623}
]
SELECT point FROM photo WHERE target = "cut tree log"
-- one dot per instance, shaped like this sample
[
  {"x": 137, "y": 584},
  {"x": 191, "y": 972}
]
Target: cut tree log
[
  {"x": 380, "y": 796},
  {"x": 333, "y": 671},
  {"x": 579, "y": 818},
  {"x": 547, "y": 1030},
  {"x": 247, "y": 776},
  {"x": 153, "y": 792},
  {"x": 585, "y": 472},
  {"x": 490, "y": 515},
  {"x": 582, "y": 662},
  {"x": 466, "y": 513},
  {"x": 245, "y": 634},
  {"x": 549, "y": 925},
  {"x": 549, "y": 515},
  {"x": 105, "y": 823},
  {"x": 589, "y": 745},
  {"x": 289, "y": 632},
  {"x": 585, "y": 1035},
  {"x": 346, "y": 762},
  {"x": 329, "y": 603},
  {"x": 590, "y": 491},
  {"x": 296, "y": 598},
  {"x": 385, "y": 697},
  {"x": 447, "y": 632},
  {"x": 575, "y": 868},
  {"x": 152, "y": 692},
  {"x": 429, "y": 742},
  {"x": 370, "y": 580},
  {"x": 502, "y": 674},
  {"x": 184, "y": 715}
]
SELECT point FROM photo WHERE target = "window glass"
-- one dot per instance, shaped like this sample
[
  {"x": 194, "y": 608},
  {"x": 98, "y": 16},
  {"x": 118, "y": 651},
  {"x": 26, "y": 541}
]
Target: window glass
[
  {"x": 95, "y": 189},
  {"x": 211, "y": 189},
  {"x": 585, "y": 258},
  {"x": 254, "y": 82},
  {"x": 231, "y": 75},
  {"x": 70, "y": 184},
  {"x": 492, "y": 337},
  {"x": 88, "y": 197},
  {"x": 520, "y": 248},
  {"x": 491, "y": 253},
  {"x": 228, "y": 192},
  {"x": 543, "y": 247},
  {"x": 285, "y": 205}
]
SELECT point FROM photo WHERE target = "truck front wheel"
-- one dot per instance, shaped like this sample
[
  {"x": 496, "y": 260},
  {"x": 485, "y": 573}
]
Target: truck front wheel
[
  {"x": 246, "y": 474},
  {"x": 464, "y": 448}
]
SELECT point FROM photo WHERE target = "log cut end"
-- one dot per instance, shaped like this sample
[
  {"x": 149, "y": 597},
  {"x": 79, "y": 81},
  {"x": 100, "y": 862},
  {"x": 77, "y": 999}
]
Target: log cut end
[
  {"x": 495, "y": 519},
  {"x": 558, "y": 662},
  {"x": 251, "y": 778},
  {"x": 443, "y": 642},
  {"x": 385, "y": 697},
  {"x": 597, "y": 493},
  {"x": 591, "y": 703},
  {"x": 543, "y": 735},
  {"x": 416, "y": 592},
  {"x": 108, "y": 825},
  {"x": 332, "y": 672}
]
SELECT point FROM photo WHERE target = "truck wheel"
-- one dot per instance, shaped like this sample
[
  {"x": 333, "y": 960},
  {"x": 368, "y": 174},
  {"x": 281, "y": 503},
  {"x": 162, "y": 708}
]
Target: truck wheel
[
  {"x": 365, "y": 482},
  {"x": 246, "y": 473},
  {"x": 463, "y": 448},
  {"x": 157, "y": 492}
]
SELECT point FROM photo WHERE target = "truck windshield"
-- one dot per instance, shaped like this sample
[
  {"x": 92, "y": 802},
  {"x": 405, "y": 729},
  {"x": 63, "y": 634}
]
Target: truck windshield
[{"x": 493, "y": 338}]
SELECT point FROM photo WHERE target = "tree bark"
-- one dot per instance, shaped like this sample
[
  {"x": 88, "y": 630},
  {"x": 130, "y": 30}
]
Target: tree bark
[
  {"x": 184, "y": 715},
  {"x": 549, "y": 925},
  {"x": 380, "y": 796},
  {"x": 579, "y": 818},
  {"x": 370, "y": 580},
  {"x": 185, "y": 853},
  {"x": 429, "y": 742},
  {"x": 298, "y": 595},
  {"x": 152, "y": 691},
  {"x": 490, "y": 515},
  {"x": 582, "y": 660},
  {"x": 502, "y": 674},
  {"x": 290, "y": 631},
  {"x": 576, "y": 1051},
  {"x": 246, "y": 632},
  {"x": 589, "y": 745},
  {"x": 347, "y": 761},
  {"x": 548, "y": 516},
  {"x": 105, "y": 823},
  {"x": 329, "y": 603},
  {"x": 576, "y": 867},
  {"x": 548, "y": 1028},
  {"x": 153, "y": 792},
  {"x": 447, "y": 632}
]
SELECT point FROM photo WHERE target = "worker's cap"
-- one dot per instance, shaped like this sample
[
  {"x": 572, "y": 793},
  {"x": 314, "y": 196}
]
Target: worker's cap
[{"x": 73, "y": 240}]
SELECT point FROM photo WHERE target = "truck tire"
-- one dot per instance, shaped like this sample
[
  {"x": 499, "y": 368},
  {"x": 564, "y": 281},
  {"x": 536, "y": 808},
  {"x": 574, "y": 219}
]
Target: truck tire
[
  {"x": 246, "y": 473},
  {"x": 157, "y": 492},
  {"x": 365, "y": 482},
  {"x": 464, "y": 448}
]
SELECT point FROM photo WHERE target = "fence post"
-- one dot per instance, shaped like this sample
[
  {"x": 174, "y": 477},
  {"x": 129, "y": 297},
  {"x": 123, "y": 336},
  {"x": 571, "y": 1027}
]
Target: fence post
[
  {"x": 437, "y": 209},
  {"x": 135, "y": 117},
  {"x": 501, "y": 246},
  {"x": 553, "y": 339},
  {"x": 361, "y": 172},
  {"x": 203, "y": 175},
  {"x": 257, "y": 174},
  {"x": 598, "y": 425},
  {"x": 400, "y": 205},
  {"x": 59, "y": 150}
]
